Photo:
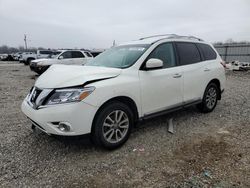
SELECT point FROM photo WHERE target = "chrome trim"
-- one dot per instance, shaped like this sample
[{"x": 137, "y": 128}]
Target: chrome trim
[{"x": 40, "y": 98}]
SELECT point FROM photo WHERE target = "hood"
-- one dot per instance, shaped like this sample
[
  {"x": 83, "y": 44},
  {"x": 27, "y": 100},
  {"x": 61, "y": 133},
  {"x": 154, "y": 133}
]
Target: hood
[
  {"x": 59, "y": 76},
  {"x": 39, "y": 60}
]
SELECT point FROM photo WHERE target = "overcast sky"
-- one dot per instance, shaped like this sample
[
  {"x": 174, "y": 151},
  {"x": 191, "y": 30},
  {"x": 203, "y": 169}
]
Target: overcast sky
[{"x": 96, "y": 23}]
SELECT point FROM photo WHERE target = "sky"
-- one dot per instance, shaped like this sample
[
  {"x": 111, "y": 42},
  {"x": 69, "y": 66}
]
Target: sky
[{"x": 96, "y": 23}]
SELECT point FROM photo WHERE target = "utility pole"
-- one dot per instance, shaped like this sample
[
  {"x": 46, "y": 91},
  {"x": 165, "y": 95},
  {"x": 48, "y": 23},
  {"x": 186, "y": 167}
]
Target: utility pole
[
  {"x": 114, "y": 44},
  {"x": 25, "y": 41}
]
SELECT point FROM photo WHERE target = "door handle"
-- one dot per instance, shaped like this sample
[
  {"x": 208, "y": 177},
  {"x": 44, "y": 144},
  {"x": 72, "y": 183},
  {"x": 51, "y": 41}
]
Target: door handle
[
  {"x": 177, "y": 75},
  {"x": 206, "y": 69}
]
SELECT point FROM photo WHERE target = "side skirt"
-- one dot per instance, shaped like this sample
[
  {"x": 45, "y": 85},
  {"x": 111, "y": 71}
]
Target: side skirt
[{"x": 168, "y": 110}]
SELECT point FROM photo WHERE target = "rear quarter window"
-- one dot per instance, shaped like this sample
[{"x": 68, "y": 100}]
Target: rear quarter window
[
  {"x": 188, "y": 53},
  {"x": 88, "y": 54},
  {"x": 207, "y": 51}
]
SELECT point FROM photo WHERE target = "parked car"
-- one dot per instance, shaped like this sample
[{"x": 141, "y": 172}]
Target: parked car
[
  {"x": 67, "y": 57},
  {"x": 125, "y": 84},
  {"x": 27, "y": 57},
  {"x": 3, "y": 57},
  {"x": 17, "y": 55},
  {"x": 6, "y": 57},
  {"x": 238, "y": 66}
]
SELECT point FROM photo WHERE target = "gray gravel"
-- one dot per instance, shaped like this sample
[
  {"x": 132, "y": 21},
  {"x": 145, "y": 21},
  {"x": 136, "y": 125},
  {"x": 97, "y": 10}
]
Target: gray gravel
[{"x": 207, "y": 150}]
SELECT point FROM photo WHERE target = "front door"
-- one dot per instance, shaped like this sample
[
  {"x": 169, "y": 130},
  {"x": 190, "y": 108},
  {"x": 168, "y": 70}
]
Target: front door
[
  {"x": 66, "y": 58},
  {"x": 161, "y": 89}
]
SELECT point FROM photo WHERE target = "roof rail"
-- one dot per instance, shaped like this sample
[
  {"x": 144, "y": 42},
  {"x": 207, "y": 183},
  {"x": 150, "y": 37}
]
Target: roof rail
[
  {"x": 169, "y": 36},
  {"x": 190, "y": 37},
  {"x": 163, "y": 35}
]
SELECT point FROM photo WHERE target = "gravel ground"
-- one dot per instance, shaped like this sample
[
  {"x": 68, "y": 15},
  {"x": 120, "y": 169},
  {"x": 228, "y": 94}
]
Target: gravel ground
[{"x": 207, "y": 150}]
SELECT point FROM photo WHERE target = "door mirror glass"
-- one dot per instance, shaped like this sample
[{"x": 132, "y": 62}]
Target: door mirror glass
[
  {"x": 154, "y": 63},
  {"x": 60, "y": 57}
]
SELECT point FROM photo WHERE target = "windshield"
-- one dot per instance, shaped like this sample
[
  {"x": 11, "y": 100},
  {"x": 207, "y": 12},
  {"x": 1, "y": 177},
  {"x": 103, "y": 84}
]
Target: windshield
[{"x": 119, "y": 57}]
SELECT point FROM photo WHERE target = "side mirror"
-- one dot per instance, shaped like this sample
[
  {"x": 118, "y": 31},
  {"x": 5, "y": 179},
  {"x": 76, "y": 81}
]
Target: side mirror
[
  {"x": 60, "y": 57},
  {"x": 154, "y": 63}
]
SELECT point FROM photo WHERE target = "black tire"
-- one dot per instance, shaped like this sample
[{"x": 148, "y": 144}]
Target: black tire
[
  {"x": 29, "y": 61},
  {"x": 99, "y": 129},
  {"x": 210, "y": 98}
]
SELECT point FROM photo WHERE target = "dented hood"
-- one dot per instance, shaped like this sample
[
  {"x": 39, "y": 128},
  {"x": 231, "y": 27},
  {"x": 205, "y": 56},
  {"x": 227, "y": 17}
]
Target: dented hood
[{"x": 59, "y": 76}]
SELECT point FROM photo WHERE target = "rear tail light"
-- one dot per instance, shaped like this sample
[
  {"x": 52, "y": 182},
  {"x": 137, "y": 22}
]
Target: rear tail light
[{"x": 223, "y": 64}]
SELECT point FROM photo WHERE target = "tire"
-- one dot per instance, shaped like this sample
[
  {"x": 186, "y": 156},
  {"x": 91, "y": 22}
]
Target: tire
[
  {"x": 112, "y": 125},
  {"x": 29, "y": 61},
  {"x": 26, "y": 62},
  {"x": 210, "y": 98}
]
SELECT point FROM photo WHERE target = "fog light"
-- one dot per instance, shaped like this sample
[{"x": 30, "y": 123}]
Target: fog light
[{"x": 64, "y": 126}]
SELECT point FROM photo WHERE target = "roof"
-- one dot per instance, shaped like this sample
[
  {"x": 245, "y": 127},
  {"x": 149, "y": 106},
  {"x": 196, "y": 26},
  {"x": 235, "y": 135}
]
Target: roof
[{"x": 156, "y": 38}]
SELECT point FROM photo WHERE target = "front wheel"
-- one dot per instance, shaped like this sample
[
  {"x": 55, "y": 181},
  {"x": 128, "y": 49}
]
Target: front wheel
[
  {"x": 210, "y": 98},
  {"x": 112, "y": 125}
]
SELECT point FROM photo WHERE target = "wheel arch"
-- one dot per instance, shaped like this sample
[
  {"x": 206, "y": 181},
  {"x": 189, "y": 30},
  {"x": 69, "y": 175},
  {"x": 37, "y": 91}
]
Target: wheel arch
[
  {"x": 29, "y": 59},
  {"x": 32, "y": 58},
  {"x": 123, "y": 99},
  {"x": 217, "y": 82}
]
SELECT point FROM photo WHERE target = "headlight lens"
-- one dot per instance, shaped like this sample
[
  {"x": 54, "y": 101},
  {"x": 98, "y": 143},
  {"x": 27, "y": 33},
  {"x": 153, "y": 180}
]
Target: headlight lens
[{"x": 69, "y": 95}]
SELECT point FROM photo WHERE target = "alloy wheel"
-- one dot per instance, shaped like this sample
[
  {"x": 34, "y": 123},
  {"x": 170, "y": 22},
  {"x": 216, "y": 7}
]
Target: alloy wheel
[
  {"x": 115, "y": 126},
  {"x": 211, "y": 98}
]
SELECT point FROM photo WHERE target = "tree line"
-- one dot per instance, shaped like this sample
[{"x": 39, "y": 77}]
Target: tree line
[{"x": 4, "y": 49}]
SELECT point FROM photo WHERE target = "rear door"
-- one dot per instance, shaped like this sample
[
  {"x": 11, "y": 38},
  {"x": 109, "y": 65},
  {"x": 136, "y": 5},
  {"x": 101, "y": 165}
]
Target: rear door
[
  {"x": 193, "y": 71},
  {"x": 161, "y": 89},
  {"x": 78, "y": 58},
  {"x": 212, "y": 63}
]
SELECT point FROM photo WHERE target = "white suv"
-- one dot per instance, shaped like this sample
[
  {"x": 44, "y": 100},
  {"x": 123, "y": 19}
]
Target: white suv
[
  {"x": 125, "y": 84},
  {"x": 66, "y": 57}
]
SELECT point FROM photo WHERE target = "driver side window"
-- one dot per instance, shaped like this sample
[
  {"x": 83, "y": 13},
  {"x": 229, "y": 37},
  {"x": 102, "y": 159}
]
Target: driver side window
[{"x": 164, "y": 52}]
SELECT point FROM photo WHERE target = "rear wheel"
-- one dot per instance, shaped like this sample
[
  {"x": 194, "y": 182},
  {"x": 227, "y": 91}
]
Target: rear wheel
[
  {"x": 210, "y": 98},
  {"x": 112, "y": 125}
]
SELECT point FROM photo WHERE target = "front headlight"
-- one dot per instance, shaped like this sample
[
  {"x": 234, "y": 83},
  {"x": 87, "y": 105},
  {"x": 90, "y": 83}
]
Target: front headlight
[{"x": 60, "y": 96}]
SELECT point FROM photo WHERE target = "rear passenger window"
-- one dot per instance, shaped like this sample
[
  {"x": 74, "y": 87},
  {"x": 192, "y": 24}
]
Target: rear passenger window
[
  {"x": 77, "y": 54},
  {"x": 164, "y": 52},
  {"x": 207, "y": 51},
  {"x": 188, "y": 53}
]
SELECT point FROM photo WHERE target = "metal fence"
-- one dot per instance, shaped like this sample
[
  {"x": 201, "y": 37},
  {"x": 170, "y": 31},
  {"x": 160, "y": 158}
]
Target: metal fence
[{"x": 234, "y": 52}]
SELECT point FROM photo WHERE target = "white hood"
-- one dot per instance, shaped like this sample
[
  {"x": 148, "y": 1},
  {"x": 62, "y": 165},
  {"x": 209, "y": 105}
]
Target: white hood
[
  {"x": 45, "y": 61},
  {"x": 40, "y": 60},
  {"x": 59, "y": 76}
]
